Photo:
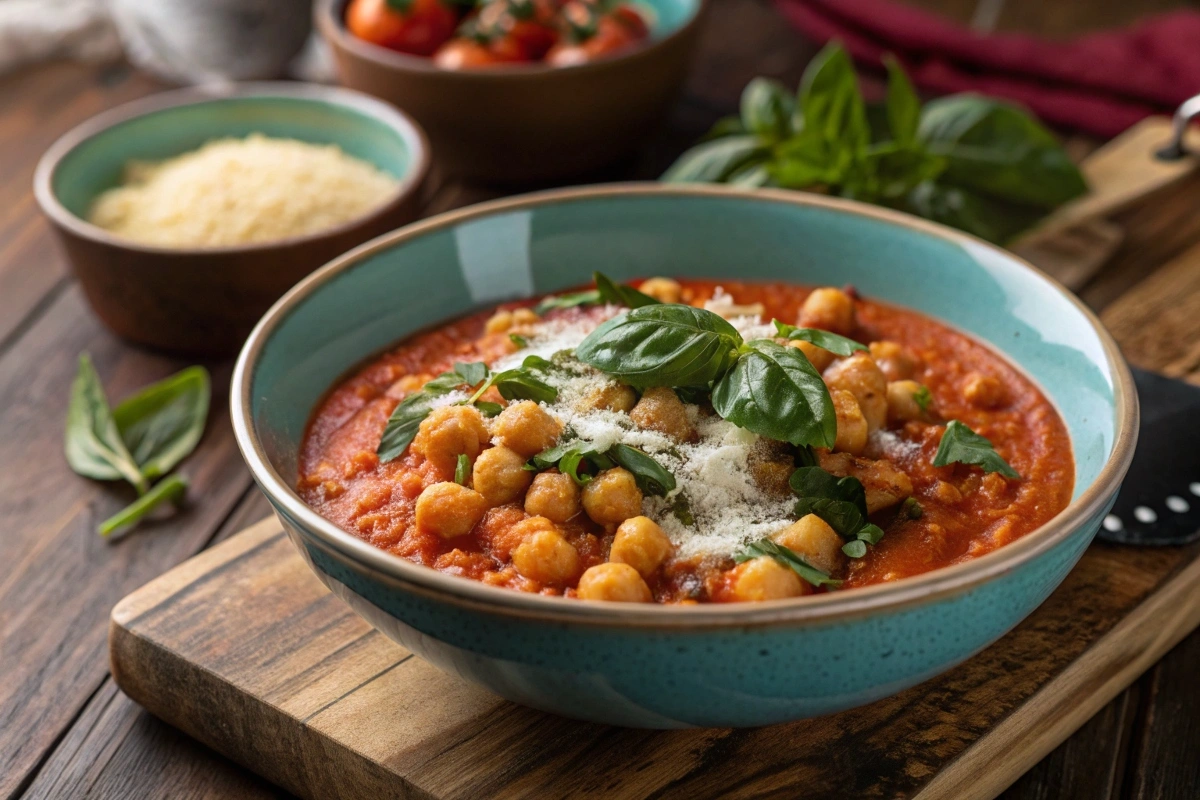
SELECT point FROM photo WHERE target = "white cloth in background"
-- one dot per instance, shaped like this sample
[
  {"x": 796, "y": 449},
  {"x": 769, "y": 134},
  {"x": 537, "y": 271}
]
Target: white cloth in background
[{"x": 38, "y": 30}]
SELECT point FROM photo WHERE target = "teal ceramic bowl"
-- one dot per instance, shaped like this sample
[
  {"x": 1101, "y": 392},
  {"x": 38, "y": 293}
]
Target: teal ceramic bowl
[
  {"x": 206, "y": 299},
  {"x": 708, "y": 665}
]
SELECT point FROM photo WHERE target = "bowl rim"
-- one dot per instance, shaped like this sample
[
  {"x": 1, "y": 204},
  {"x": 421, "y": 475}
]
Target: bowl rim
[
  {"x": 407, "y": 184},
  {"x": 332, "y": 27},
  {"x": 822, "y": 608}
]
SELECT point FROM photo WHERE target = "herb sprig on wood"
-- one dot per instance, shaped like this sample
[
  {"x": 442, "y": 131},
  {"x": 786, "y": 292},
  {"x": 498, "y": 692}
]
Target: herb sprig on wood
[
  {"x": 978, "y": 164},
  {"x": 140, "y": 440}
]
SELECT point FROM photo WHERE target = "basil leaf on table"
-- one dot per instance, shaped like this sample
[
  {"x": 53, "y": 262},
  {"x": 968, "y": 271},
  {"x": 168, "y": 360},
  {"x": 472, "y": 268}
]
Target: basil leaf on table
[
  {"x": 838, "y": 345},
  {"x": 162, "y": 424},
  {"x": 903, "y": 106},
  {"x": 767, "y": 108},
  {"x": 714, "y": 161},
  {"x": 788, "y": 558},
  {"x": 830, "y": 100},
  {"x": 998, "y": 150},
  {"x": 652, "y": 478},
  {"x": 962, "y": 445},
  {"x": 662, "y": 345},
  {"x": 619, "y": 294},
  {"x": 170, "y": 489},
  {"x": 986, "y": 217},
  {"x": 93, "y": 443},
  {"x": 776, "y": 392}
]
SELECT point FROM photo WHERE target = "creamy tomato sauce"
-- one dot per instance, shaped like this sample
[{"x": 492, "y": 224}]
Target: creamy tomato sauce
[{"x": 964, "y": 512}]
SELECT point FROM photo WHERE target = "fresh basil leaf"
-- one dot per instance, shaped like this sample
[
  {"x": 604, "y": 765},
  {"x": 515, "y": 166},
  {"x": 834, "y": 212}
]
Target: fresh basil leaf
[
  {"x": 725, "y": 126},
  {"x": 855, "y": 549},
  {"x": 652, "y": 478},
  {"x": 903, "y": 105},
  {"x": 569, "y": 465},
  {"x": 519, "y": 384},
  {"x": 520, "y": 341},
  {"x": 443, "y": 384},
  {"x": 965, "y": 446},
  {"x": 162, "y": 424},
  {"x": 472, "y": 374},
  {"x": 550, "y": 456},
  {"x": 838, "y": 345},
  {"x": 713, "y": 161},
  {"x": 923, "y": 398},
  {"x": 999, "y": 150},
  {"x": 752, "y": 176},
  {"x": 681, "y": 509},
  {"x": 488, "y": 409},
  {"x": 808, "y": 160},
  {"x": 831, "y": 102},
  {"x": 170, "y": 489},
  {"x": 775, "y": 392},
  {"x": 462, "y": 468},
  {"x": 843, "y": 516},
  {"x": 986, "y": 217},
  {"x": 590, "y": 297},
  {"x": 402, "y": 426},
  {"x": 537, "y": 363},
  {"x": 805, "y": 457},
  {"x": 662, "y": 345},
  {"x": 767, "y": 109},
  {"x": 813, "y": 481},
  {"x": 870, "y": 533},
  {"x": 788, "y": 558},
  {"x": 693, "y": 395},
  {"x": 888, "y": 172},
  {"x": 93, "y": 443},
  {"x": 620, "y": 294}
]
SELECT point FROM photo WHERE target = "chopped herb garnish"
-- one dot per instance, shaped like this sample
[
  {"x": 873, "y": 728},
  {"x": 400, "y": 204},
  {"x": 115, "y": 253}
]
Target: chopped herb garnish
[
  {"x": 681, "y": 509},
  {"x": 462, "y": 469},
  {"x": 962, "y": 445},
  {"x": 838, "y": 345},
  {"x": 520, "y": 341},
  {"x": 788, "y": 558},
  {"x": 923, "y": 398},
  {"x": 840, "y": 502},
  {"x": 590, "y": 297},
  {"x": 606, "y": 291}
]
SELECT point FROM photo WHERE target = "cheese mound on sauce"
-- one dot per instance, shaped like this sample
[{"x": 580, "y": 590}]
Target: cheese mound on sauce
[
  {"x": 241, "y": 191},
  {"x": 727, "y": 507}
]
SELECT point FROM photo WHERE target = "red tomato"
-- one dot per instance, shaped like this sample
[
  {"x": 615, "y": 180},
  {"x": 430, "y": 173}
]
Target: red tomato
[
  {"x": 468, "y": 54},
  {"x": 616, "y": 31},
  {"x": 418, "y": 27}
]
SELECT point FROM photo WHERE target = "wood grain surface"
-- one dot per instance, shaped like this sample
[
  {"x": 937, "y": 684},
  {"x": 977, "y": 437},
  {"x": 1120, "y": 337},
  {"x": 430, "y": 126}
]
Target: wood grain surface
[
  {"x": 64, "y": 729},
  {"x": 245, "y": 650}
]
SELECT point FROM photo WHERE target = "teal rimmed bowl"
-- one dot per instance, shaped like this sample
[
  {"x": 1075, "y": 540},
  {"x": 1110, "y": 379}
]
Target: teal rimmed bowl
[
  {"x": 206, "y": 299},
  {"x": 707, "y": 665}
]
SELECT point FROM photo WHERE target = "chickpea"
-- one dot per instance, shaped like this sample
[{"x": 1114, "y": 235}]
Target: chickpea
[
  {"x": 546, "y": 557},
  {"x": 616, "y": 583},
  {"x": 500, "y": 475},
  {"x": 525, "y": 316},
  {"x": 851, "y": 424},
  {"x": 902, "y": 400},
  {"x": 641, "y": 544},
  {"x": 983, "y": 391},
  {"x": 448, "y": 432},
  {"x": 895, "y": 360},
  {"x": 661, "y": 410},
  {"x": 859, "y": 376},
  {"x": 611, "y": 397},
  {"x": 764, "y": 578},
  {"x": 553, "y": 495},
  {"x": 449, "y": 510},
  {"x": 811, "y": 537},
  {"x": 818, "y": 356},
  {"x": 664, "y": 290},
  {"x": 828, "y": 309},
  {"x": 612, "y": 497},
  {"x": 526, "y": 428},
  {"x": 499, "y": 322}
]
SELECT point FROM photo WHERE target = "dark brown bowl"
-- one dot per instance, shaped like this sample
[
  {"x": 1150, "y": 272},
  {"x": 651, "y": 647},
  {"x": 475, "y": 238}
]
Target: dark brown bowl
[
  {"x": 206, "y": 300},
  {"x": 523, "y": 123}
]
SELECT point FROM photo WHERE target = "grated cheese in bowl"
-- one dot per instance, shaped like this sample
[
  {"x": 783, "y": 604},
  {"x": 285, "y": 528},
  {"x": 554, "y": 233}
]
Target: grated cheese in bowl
[{"x": 233, "y": 192}]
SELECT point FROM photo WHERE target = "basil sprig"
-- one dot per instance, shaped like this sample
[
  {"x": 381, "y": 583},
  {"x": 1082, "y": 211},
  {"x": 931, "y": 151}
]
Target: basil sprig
[
  {"x": 140, "y": 440},
  {"x": 761, "y": 386},
  {"x": 965, "y": 446},
  {"x": 840, "y": 502},
  {"x": 972, "y": 162},
  {"x": 607, "y": 291},
  {"x": 838, "y": 345},
  {"x": 651, "y": 477},
  {"x": 513, "y": 384},
  {"x": 788, "y": 558}
]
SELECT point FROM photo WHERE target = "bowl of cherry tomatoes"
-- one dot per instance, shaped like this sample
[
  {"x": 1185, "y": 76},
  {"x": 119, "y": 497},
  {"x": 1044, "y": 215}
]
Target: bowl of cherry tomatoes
[{"x": 518, "y": 91}]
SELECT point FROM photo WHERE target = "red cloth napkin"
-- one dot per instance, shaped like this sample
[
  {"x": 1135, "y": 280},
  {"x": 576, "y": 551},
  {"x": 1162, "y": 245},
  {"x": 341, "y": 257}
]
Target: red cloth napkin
[{"x": 1100, "y": 83}]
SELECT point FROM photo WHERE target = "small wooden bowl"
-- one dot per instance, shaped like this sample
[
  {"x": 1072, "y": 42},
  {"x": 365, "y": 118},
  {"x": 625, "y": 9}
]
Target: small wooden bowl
[
  {"x": 527, "y": 122},
  {"x": 205, "y": 300}
]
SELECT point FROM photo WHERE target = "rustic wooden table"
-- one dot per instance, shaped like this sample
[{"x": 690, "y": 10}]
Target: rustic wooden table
[{"x": 65, "y": 729}]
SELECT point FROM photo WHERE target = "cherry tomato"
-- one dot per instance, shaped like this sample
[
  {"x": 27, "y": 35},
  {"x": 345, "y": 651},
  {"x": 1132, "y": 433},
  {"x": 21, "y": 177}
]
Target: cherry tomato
[
  {"x": 418, "y": 27},
  {"x": 615, "y": 31},
  {"x": 468, "y": 54}
]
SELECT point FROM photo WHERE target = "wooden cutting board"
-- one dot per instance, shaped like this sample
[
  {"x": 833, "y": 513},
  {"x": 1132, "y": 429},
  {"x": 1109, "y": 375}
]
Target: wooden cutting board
[{"x": 244, "y": 649}]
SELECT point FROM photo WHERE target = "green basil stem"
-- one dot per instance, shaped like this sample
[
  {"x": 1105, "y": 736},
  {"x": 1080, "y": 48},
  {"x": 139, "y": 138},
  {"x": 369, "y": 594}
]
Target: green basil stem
[{"x": 169, "y": 489}]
